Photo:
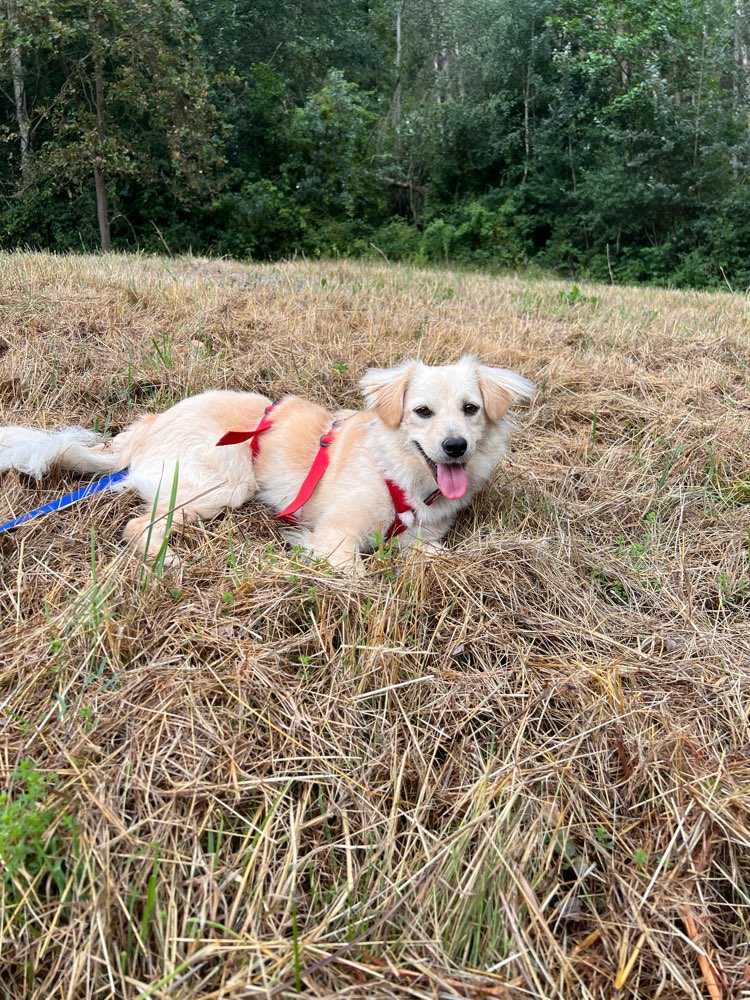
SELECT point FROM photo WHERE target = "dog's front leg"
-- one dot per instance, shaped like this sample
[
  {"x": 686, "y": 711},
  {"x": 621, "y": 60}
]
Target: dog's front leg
[
  {"x": 340, "y": 549},
  {"x": 425, "y": 537}
]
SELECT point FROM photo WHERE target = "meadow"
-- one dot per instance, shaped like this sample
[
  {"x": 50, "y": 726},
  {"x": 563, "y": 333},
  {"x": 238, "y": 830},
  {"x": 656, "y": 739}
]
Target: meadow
[{"x": 518, "y": 769}]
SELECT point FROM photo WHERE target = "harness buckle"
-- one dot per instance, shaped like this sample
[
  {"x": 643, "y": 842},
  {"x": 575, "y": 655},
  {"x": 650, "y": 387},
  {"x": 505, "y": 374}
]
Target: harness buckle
[{"x": 326, "y": 440}]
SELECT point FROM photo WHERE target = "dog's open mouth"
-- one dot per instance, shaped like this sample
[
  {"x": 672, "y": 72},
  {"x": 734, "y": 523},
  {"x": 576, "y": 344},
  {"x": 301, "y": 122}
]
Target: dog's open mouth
[{"x": 451, "y": 479}]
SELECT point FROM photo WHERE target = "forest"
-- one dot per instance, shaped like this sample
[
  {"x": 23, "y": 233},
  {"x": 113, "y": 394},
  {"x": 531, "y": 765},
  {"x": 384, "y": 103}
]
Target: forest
[{"x": 609, "y": 141}]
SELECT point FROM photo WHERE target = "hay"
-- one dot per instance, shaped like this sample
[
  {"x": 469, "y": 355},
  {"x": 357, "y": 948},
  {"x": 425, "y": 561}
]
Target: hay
[{"x": 520, "y": 769}]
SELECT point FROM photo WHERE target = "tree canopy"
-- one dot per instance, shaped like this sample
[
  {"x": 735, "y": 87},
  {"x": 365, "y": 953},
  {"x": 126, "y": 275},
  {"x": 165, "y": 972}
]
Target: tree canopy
[{"x": 609, "y": 140}]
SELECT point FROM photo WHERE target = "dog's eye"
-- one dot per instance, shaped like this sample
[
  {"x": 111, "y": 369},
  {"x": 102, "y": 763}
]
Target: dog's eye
[
  {"x": 423, "y": 411},
  {"x": 470, "y": 409}
]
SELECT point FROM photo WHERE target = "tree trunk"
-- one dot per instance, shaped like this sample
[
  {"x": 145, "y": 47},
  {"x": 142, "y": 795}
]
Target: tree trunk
[
  {"x": 741, "y": 48},
  {"x": 397, "y": 92},
  {"x": 102, "y": 203},
  {"x": 19, "y": 93},
  {"x": 102, "y": 208}
]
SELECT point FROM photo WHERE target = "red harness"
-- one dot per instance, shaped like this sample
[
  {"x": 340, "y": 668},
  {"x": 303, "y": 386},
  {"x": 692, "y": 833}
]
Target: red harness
[{"x": 319, "y": 466}]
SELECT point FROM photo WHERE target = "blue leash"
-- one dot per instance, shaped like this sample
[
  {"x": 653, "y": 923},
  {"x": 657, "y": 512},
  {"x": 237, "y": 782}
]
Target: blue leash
[{"x": 86, "y": 491}]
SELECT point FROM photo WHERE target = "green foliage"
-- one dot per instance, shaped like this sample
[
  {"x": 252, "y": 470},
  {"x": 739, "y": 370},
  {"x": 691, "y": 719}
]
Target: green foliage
[
  {"x": 259, "y": 220},
  {"x": 649, "y": 106},
  {"x": 122, "y": 87},
  {"x": 27, "y": 846},
  {"x": 324, "y": 140},
  {"x": 574, "y": 297},
  {"x": 603, "y": 837},
  {"x": 396, "y": 240},
  {"x": 42, "y": 219},
  {"x": 322, "y": 186},
  {"x": 489, "y": 232},
  {"x": 608, "y": 142}
]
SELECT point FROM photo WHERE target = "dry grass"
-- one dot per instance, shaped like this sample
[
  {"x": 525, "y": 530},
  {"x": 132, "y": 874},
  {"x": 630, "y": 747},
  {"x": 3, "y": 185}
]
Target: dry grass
[{"x": 519, "y": 770}]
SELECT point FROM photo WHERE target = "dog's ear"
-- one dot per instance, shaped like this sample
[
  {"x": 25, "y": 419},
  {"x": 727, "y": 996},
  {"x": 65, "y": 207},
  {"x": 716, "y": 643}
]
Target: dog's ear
[
  {"x": 384, "y": 390},
  {"x": 500, "y": 388}
]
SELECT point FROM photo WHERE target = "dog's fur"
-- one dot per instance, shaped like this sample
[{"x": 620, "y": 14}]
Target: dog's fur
[{"x": 412, "y": 411}]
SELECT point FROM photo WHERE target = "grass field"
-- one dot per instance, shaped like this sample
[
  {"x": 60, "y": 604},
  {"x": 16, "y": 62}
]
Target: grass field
[{"x": 521, "y": 769}]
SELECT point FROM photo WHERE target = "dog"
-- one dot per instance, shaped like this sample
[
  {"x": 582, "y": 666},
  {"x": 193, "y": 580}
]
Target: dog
[{"x": 426, "y": 443}]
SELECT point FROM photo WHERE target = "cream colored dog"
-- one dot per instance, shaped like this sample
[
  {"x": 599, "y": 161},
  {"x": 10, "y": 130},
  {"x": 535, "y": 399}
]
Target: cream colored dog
[{"x": 437, "y": 433}]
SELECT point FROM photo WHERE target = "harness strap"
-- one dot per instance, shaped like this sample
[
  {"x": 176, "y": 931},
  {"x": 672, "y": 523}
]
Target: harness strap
[
  {"x": 402, "y": 505},
  {"x": 237, "y": 437},
  {"x": 312, "y": 478},
  {"x": 85, "y": 491},
  {"x": 398, "y": 498}
]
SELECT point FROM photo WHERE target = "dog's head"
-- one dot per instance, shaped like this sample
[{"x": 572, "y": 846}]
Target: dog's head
[{"x": 444, "y": 413}]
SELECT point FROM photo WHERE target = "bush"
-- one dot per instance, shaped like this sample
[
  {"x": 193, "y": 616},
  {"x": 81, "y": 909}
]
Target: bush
[
  {"x": 437, "y": 241},
  {"x": 489, "y": 232},
  {"x": 41, "y": 220},
  {"x": 397, "y": 240},
  {"x": 260, "y": 220}
]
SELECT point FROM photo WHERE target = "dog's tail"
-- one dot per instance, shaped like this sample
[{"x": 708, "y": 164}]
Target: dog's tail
[{"x": 36, "y": 452}]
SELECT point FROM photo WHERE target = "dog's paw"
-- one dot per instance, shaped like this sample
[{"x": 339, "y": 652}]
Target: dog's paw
[
  {"x": 422, "y": 545},
  {"x": 169, "y": 560},
  {"x": 430, "y": 548}
]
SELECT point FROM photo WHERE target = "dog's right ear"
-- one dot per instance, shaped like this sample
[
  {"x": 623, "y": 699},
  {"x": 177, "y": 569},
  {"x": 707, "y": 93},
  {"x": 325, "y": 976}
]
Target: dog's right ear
[{"x": 384, "y": 390}]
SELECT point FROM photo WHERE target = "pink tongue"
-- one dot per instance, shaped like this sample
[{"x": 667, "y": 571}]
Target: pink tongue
[{"x": 452, "y": 481}]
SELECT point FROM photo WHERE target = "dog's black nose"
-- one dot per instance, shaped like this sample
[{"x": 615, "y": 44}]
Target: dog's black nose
[{"x": 454, "y": 447}]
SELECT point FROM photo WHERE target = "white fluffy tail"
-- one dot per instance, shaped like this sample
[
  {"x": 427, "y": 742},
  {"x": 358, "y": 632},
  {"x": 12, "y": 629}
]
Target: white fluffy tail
[{"x": 35, "y": 452}]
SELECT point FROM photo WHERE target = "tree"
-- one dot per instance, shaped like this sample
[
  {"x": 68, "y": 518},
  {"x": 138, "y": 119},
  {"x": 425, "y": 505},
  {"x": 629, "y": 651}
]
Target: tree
[
  {"x": 611, "y": 139},
  {"x": 19, "y": 87},
  {"x": 646, "y": 107},
  {"x": 126, "y": 100}
]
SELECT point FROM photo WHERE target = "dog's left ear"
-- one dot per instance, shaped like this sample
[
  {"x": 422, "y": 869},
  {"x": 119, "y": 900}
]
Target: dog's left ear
[
  {"x": 384, "y": 390},
  {"x": 500, "y": 388}
]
